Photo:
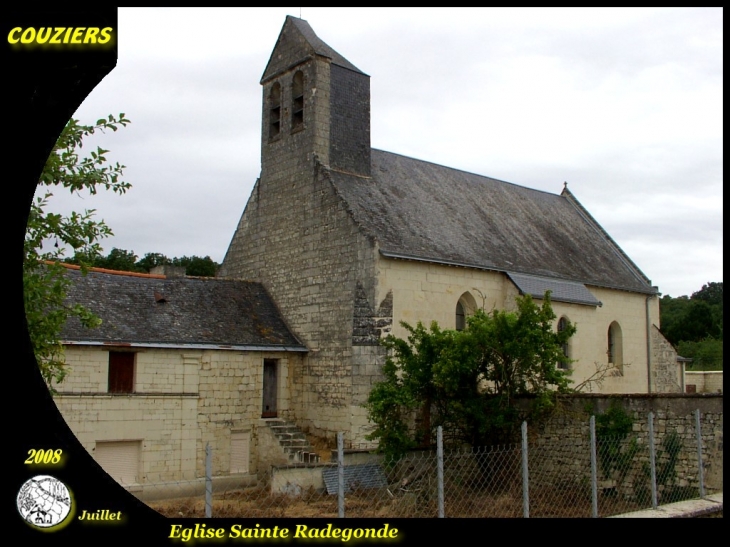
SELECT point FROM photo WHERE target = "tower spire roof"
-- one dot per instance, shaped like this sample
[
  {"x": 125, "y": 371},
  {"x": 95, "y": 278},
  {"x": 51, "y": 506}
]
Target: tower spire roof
[{"x": 296, "y": 43}]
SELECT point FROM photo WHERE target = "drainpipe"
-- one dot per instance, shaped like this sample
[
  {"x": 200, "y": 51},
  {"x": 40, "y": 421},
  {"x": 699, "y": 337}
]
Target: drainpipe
[{"x": 648, "y": 339}]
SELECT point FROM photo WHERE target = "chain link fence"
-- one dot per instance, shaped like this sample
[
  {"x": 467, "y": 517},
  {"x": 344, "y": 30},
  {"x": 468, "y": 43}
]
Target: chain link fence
[{"x": 589, "y": 476}]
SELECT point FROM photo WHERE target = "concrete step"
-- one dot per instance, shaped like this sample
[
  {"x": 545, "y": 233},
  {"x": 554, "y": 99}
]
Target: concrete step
[{"x": 293, "y": 442}]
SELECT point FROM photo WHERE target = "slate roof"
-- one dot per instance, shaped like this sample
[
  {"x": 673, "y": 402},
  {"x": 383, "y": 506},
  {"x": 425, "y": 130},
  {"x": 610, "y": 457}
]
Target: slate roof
[
  {"x": 561, "y": 291},
  {"x": 297, "y": 36},
  {"x": 422, "y": 211},
  {"x": 177, "y": 311}
]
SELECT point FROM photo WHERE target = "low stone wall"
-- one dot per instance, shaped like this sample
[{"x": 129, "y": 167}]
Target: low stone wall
[
  {"x": 193, "y": 488},
  {"x": 297, "y": 479},
  {"x": 560, "y": 449}
]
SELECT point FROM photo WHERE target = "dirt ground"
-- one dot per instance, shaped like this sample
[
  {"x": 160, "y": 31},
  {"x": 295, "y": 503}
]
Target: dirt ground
[{"x": 382, "y": 503}]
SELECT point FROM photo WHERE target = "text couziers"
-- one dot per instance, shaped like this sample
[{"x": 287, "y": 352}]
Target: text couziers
[{"x": 60, "y": 35}]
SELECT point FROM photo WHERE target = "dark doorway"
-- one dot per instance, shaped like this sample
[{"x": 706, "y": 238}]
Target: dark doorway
[{"x": 270, "y": 388}]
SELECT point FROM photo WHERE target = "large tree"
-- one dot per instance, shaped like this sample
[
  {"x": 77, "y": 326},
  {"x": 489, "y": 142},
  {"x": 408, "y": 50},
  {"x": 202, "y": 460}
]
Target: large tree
[
  {"x": 469, "y": 381},
  {"x": 48, "y": 236}
]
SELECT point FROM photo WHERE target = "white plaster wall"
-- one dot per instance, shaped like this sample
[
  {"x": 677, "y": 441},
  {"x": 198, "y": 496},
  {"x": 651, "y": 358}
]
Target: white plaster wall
[
  {"x": 589, "y": 346},
  {"x": 429, "y": 292}
]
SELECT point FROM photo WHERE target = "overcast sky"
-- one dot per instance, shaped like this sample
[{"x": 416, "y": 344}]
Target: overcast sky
[{"x": 623, "y": 104}]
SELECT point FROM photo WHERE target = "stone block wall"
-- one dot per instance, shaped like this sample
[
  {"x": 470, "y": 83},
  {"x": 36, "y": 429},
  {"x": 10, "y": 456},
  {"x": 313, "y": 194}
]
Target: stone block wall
[
  {"x": 231, "y": 388},
  {"x": 182, "y": 400},
  {"x": 165, "y": 426}
]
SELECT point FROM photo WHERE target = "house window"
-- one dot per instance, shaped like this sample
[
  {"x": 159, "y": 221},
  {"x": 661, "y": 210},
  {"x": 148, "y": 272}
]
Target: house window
[
  {"x": 121, "y": 372},
  {"x": 562, "y": 325},
  {"x": 297, "y": 99},
  {"x": 275, "y": 110},
  {"x": 615, "y": 349}
]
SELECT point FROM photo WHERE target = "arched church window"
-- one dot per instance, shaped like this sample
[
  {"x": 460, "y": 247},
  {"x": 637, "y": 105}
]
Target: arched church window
[
  {"x": 297, "y": 98},
  {"x": 464, "y": 308},
  {"x": 460, "y": 316},
  {"x": 275, "y": 110},
  {"x": 615, "y": 346}
]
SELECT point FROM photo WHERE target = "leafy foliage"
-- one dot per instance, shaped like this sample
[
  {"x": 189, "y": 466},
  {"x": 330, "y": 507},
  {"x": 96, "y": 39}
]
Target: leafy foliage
[
  {"x": 195, "y": 265},
  {"x": 710, "y": 292},
  {"x": 469, "y": 381},
  {"x": 126, "y": 261},
  {"x": 117, "y": 259},
  {"x": 706, "y": 354},
  {"x": 694, "y": 325},
  {"x": 49, "y": 234}
]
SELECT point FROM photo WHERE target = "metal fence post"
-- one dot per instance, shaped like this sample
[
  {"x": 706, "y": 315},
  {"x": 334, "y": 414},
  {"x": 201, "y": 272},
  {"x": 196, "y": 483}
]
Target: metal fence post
[
  {"x": 208, "y": 481},
  {"x": 340, "y": 476},
  {"x": 700, "y": 468},
  {"x": 652, "y": 461},
  {"x": 440, "y": 468},
  {"x": 525, "y": 477},
  {"x": 594, "y": 471}
]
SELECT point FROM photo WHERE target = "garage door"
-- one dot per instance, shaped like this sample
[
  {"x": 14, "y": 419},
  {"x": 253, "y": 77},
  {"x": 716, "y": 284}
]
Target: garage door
[{"x": 120, "y": 459}]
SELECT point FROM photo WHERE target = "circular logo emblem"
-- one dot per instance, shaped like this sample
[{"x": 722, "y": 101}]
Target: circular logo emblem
[{"x": 44, "y": 501}]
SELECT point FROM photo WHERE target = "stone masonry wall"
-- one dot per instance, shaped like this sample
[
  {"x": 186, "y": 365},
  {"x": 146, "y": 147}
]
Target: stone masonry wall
[
  {"x": 230, "y": 400},
  {"x": 369, "y": 326},
  {"x": 182, "y": 400},
  {"x": 560, "y": 450},
  {"x": 665, "y": 370}
]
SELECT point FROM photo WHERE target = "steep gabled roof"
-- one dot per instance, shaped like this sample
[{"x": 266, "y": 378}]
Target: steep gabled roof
[
  {"x": 296, "y": 43},
  {"x": 422, "y": 211},
  {"x": 177, "y": 312}
]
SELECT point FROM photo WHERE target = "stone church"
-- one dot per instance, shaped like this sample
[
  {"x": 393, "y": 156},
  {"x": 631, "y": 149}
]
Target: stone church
[
  {"x": 349, "y": 241},
  {"x": 337, "y": 245}
]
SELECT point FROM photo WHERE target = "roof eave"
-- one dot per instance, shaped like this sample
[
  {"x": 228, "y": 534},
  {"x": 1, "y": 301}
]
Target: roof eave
[
  {"x": 189, "y": 346},
  {"x": 402, "y": 256}
]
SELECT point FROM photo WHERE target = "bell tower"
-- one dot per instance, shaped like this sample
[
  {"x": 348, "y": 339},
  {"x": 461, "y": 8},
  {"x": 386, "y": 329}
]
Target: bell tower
[{"x": 316, "y": 105}]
